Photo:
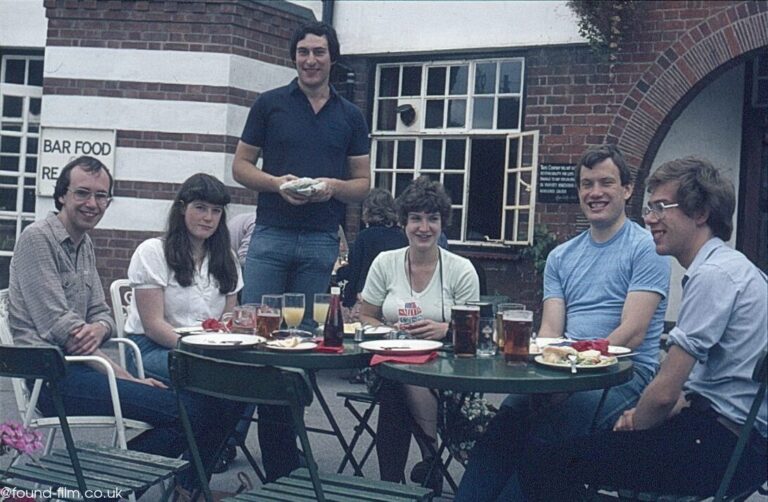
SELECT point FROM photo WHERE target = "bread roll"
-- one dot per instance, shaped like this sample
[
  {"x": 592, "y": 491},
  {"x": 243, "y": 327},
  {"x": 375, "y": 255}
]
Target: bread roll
[{"x": 557, "y": 355}]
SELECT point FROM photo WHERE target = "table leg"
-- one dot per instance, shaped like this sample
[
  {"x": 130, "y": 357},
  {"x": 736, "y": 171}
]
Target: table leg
[{"x": 332, "y": 422}]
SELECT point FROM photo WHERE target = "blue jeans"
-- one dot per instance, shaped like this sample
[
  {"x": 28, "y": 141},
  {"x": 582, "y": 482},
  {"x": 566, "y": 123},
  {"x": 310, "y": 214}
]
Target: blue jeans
[
  {"x": 153, "y": 355},
  {"x": 289, "y": 261},
  {"x": 85, "y": 391},
  {"x": 494, "y": 458}
]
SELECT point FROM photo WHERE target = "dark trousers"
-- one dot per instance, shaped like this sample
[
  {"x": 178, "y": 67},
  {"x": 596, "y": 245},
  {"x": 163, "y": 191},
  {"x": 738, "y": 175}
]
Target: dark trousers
[
  {"x": 687, "y": 455},
  {"x": 393, "y": 431},
  {"x": 277, "y": 441}
]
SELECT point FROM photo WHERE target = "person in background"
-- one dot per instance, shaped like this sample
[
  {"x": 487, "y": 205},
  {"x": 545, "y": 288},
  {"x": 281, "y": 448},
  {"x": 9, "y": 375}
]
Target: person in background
[
  {"x": 414, "y": 288},
  {"x": 188, "y": 275},
  {"x": 55, "y": 298},
  {"x": 240, "y": 231},
  {"x": 381, "y": 233},
  {"x": 680, "y": 435},
  {"x": 304, "y": 129},
  {"x": 607, "y": 282}
]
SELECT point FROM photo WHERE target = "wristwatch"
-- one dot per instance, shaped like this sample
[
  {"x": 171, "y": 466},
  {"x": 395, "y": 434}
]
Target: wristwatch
[{"x": 105, "y": 324}]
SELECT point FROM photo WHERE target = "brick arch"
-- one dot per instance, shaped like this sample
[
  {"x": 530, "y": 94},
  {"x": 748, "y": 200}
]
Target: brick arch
[{"x": 673, "y": 80}]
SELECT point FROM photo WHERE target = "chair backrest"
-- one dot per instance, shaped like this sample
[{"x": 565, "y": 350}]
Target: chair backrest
[
  {"x": 46, "y": 363},
  {"x": 121, "y": 293},
  {"x": 238, "y": 381},
  {"x": 20, "y": 391}
]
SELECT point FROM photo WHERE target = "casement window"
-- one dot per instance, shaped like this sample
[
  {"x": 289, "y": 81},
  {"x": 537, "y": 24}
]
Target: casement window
[
  {"x": 21, "y": 91},
  {"x": 460, "y": 123}
]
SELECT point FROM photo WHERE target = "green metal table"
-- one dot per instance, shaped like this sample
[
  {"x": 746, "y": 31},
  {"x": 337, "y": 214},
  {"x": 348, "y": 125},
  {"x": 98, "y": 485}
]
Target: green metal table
[{"x": 311, "y": 362}]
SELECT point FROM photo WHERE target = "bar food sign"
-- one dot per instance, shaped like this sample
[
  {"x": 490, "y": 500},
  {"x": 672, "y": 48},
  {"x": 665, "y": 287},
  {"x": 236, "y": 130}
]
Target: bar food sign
[{"x": 59, "y": 145}]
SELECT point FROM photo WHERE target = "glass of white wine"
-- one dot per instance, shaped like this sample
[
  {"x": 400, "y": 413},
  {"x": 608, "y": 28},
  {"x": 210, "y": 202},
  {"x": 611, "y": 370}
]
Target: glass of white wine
[
  {"x": 293, "y": 310},
  {"x": 320, "y": 308}
]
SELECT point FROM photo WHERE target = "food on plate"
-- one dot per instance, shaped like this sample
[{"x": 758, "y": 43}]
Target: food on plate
[
  {"x": 211, "y": 324},
  {"x": 557, "y": 355},
  {"x": 286, "y": 343},
  {"x": 599, "y": 344},
  {"x": 590, "y": 357}
]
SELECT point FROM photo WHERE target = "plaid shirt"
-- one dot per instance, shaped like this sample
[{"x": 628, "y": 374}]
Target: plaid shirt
[{"x": 54, "y": 286}]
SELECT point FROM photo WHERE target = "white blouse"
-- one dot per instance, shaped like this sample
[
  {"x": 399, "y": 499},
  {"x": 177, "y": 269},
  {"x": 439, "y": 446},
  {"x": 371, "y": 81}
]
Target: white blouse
[{"x": 183, "y": 306}]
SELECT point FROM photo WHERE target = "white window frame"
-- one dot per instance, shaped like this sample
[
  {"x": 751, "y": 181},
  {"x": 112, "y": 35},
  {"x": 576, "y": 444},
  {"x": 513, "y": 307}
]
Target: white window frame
[
  {"x": 517, "y": 212},
  {"x": 26, "y": 93}
]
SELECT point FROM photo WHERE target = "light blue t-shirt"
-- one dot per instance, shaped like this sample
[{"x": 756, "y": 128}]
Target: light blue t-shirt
[
  {"x": 594, "y": 279},
  {"x": 722, "y": 323}
]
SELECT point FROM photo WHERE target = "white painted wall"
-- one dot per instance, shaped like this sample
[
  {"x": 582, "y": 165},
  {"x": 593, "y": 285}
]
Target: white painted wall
[
  {"x": 709, "y": 127},
  {"x": 392, "y": 26},
  {"x": 22, "y": 24}
]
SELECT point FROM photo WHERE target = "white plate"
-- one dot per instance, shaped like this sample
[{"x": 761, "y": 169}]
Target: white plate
[
  {"x": 618, "y": 350},
  {"x": 301, "y": 347},
  {"x": 390, "y": 347},
  {"x": 378, "y": 331},
  {"x": 189, "y": 329},
  {"x": 223, "y": 340},
  {"x": 607, "y": 362}
]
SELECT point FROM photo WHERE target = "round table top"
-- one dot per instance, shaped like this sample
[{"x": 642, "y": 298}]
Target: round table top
[
  {"x": 494, "y": 375},
  {"x": 352, "y": 357}
]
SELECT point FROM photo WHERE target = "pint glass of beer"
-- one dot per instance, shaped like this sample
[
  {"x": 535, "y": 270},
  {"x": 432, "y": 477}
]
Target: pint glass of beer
[
  {"x": 517, "y": 326},
  {"x": 464, "y": 322}
]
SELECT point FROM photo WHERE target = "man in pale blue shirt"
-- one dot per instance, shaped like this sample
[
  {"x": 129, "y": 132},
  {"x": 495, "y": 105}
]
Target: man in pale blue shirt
[
  {"x": 679, "y": 437},
  {"x": 607, "y": 282}
]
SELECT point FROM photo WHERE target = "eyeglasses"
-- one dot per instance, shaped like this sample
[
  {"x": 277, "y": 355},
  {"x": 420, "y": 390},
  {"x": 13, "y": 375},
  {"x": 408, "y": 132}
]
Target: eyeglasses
[
  {"x": 657, "y": 208},
  {"x": 81, "y": 195}
]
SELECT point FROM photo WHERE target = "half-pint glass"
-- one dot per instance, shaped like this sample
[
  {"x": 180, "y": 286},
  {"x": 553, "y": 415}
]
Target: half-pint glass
[{"x": 464, "y": 321}]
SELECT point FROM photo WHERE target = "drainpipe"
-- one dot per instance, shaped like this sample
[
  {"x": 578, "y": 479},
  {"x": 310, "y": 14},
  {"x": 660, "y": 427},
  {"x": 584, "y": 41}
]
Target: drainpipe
[
  {"x": 349, "y": 82},
  {"x": 328, "y": 6}
]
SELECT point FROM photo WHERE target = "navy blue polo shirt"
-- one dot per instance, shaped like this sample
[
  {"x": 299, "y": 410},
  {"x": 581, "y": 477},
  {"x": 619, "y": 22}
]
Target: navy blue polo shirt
[{"x": 296, "y": 140}]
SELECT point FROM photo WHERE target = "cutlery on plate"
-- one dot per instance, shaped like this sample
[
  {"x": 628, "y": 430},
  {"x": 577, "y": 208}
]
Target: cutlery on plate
[
  {"x": 572, "y": 359},
  {"x": 395, "y": 348}
]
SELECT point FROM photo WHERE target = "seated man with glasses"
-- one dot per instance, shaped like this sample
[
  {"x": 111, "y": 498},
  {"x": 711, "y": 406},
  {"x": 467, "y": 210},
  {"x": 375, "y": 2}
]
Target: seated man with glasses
[{"x": 607, "y": 282}]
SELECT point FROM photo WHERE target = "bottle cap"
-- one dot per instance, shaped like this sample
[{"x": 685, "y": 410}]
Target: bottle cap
[{"x": 335, "y": 290}]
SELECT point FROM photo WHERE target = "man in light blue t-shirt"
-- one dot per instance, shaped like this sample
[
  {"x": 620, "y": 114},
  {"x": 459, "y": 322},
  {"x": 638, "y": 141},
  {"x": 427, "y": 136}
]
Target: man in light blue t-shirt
[{"x": 607, "y": 282}]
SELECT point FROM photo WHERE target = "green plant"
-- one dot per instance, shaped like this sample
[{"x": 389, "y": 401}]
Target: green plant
[
  {"x": 604, "y": 23},
  {"x": 544, "y": 241}
]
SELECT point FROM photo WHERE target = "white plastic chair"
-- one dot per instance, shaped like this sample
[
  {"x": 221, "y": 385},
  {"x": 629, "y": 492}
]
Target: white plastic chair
[
  {"x": 26, "y": 402},
  {"x": 121, "y": 293}
]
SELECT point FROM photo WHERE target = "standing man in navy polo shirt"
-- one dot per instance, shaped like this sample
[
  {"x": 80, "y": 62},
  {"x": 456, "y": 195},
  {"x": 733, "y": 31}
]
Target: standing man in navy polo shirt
[{"x": 305, "y": 129}]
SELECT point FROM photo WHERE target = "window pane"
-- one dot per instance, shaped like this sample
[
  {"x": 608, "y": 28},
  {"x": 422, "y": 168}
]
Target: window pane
[
  {"x": 483, "y": 114},
  {"x": 28, "y": 205},
  {"x": 485, "y": 78},
  {"x": 12, "y": 106},
  {"x": 510, "y": 77},
  {"x": 8, "y": 199},
  {"x": 434, "y": 117},
  {"x": 388, "y": 81},
  {"x": 458, "y": 84},
  {"x": 454, "y": 186},
  {"x": 457, "y": 112},
  {"x": 31, "y": 164},
  {"x": 411, "y": 81},
  {"x": 14, "y": 71},
  {"x": 5, "y": 266},
  {"x": 31, "y": 145},
  {"x": 431, "y": 152},
  {"x": 486, "y": 188},
  {"x": 11, "y": 126},
  {"x": 34, "y": 108},
  {"x": 436, "y": 82},
  {"x": 406, "y": 154},
  {"x": 36, "y": 73},
  {"x": 9, "y": 162},
  {"x": 454, "y": 231},
  {"x": 402, "y": 181},
  {"x": 7, "y": 235},
  {"x": 509, "y": 115},
  {"x": 10, "y": 144},
  {"x": 385, "y": 154},
  {"x": 384, "y": 180},
  {"x": 387, "y": 120},
  {"x": 511, "y": 189},
  {"x": 454, "y": 153}
]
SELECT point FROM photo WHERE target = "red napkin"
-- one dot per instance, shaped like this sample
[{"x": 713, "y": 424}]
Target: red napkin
[
  {"x": 600, "y": 344},
  {"x": 329, "y": 350},
  {"x": 403, "y": 359}
]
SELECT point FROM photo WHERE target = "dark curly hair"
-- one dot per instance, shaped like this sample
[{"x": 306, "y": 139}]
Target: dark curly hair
[
  {"x": 379, "y": 208},
  {"x": 178, "y": 249},
  {"x": 321, "y": 30},
  {"x": 701, "y": 188},
  {"x": 424, "y": 195}
]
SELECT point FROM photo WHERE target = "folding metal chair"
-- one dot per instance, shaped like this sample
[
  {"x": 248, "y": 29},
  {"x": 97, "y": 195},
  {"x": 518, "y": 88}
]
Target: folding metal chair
[
  {"x": 250, "y": 383},
  {"x": 364, "y": 398},
  {"x": 83, "y": 469}
]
